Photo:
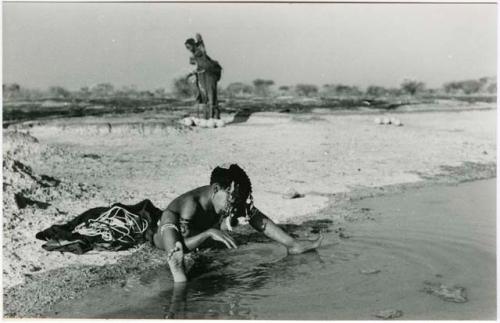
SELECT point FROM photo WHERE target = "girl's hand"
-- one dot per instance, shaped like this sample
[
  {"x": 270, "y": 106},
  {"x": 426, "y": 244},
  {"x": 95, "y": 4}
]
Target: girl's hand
[{"x": 223, "y": 237}]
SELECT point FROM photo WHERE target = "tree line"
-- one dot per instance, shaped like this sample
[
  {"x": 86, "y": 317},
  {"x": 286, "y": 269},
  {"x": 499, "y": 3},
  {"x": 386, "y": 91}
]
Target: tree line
[
  {"x": 98, "y": 91},
  {"x": 266, "y": 88},
  {"x": 182, "y": 88}
]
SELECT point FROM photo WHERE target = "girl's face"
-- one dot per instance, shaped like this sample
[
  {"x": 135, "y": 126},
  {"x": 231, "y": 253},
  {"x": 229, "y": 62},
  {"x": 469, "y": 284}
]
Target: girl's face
[
  {"x": 224, "y": 201},
  {"x": 189, "y": 47}
]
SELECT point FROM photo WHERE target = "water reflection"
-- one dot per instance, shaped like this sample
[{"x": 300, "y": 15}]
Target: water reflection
[
  {"x": 178, "y": 302},
  {"x": 450, "y": 244},
  {"x": 221, "y": 294}
]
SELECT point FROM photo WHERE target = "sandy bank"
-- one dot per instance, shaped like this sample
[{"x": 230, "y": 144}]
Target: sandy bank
[{"x": 329, "y": 158}]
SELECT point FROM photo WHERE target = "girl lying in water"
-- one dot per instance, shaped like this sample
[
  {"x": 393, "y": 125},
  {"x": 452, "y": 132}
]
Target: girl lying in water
[{"x": 197, "y": 215}]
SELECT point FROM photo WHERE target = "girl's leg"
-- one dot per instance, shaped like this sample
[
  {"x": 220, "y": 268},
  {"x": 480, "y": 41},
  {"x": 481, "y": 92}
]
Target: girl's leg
[{"x": 171, "y": 243}]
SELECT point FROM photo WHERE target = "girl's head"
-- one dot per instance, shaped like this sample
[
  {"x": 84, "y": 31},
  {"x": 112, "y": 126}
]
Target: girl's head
[
  {"x": 190, "y": 44},
  {"x": 232, "y": 188}
]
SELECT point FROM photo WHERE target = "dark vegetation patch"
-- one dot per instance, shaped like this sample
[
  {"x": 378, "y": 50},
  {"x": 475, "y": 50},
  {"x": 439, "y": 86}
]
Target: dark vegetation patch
[
  {"x": 19, "y": 111},
  {"x": 45, "y": 109}
]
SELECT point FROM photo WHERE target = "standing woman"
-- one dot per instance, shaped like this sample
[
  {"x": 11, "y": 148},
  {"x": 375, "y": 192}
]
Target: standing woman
[{"x": 208, "y": 73}]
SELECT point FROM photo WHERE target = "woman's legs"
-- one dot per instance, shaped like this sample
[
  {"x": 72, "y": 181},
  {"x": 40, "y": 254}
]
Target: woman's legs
[
  {"x": 211, "y": 90},
  {"x": 203, "y": 85}
]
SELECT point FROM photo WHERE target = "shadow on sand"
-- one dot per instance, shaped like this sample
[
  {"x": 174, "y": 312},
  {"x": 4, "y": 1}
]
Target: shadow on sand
[{"x": 242, "y": 116}]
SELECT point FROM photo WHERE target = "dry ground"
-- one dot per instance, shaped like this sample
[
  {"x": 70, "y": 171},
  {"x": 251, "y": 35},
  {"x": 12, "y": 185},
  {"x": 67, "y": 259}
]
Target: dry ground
[{"x": 105, "y": 160}]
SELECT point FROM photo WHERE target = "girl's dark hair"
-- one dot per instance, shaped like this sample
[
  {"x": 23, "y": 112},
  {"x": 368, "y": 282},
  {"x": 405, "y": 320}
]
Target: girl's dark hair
[
  {"x": 190, "y": 41},
  {"x": 224, "y": 177}
]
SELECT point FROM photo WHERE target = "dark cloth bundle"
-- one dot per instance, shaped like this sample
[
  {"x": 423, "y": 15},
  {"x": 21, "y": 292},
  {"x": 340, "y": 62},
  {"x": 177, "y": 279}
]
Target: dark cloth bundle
[{"x": 118, "y": 227}]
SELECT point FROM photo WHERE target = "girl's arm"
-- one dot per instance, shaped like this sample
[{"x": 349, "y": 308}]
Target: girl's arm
[
  {"x": 217, "y": 235},
  {"x": 260, "y": 222},
  {"x": 195, "y": 241}
]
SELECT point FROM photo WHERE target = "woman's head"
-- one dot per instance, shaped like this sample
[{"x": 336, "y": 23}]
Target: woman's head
[
  {"x": 190, "y": 44},
  {"x": 232, "y": 188}
]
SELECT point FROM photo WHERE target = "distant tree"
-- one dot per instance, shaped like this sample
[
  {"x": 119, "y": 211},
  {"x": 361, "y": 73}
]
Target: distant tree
[
  {"x": 183, "y": 88},
  {"x": 160, "y": 93},
  {"x": 431, "y": 91},
  {"x": 83, "y": 93},
  {"x": 306, "y": 89},
  {"x": 146, "y": 95},
  {"x": 376, "y": 91},
  {"x": 11, "y": 90},
  {"x": 285, "y": 90},
  {"x": 465, "y": 87},
  {"x": 395, "y": 92},
  {"x": 471, "y": 86},
  {"x": 128, "y": 92},
  {"x": 262, "y": 87},
  {"x": 328, "y": 90},
  {"x": 484, "y": 80},
  {"x": 341, "y": 90},
  {"x": 492, "y": 88},
  {"x": 238, "y": 89},
  {"x": 221, "y": 91},
  {"x": 102, "y": 90},
  {"x": 11, "y": 87},
  {"x": 59, "y": 92},
  {"x": 451, "y": 87},
  {"x": 412, "y": 87}
]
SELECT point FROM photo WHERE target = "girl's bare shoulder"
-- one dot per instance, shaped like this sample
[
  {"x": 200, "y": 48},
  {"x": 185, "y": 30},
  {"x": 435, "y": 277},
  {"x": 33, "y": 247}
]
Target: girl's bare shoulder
[{"x": 188, "y": 200}]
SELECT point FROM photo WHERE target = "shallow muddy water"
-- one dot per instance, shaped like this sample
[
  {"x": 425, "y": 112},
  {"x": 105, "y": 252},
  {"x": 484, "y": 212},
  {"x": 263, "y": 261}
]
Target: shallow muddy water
[{"x": 441, "y": 236}]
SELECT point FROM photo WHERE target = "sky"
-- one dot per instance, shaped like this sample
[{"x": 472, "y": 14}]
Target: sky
[{"x": 142, "y": 44}]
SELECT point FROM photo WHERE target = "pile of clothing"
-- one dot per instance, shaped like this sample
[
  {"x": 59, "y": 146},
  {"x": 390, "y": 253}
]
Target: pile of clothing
[{"x": 118, "y": 227}]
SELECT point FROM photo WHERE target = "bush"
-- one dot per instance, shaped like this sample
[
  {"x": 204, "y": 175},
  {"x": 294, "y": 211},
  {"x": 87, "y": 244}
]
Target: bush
[
  {"x": 262, "y": 87},
  {"x": 83, "y": 93},
  {"x": 183, "y": 88},
  {"x": 492, "y": 88},
  {"x": 238, "y": 89},
  {"x": 11, "y": 91},
  {"x": 59, "y": 92},
  {"x": 102, "y": 90},
  {"x": 160, "y": 93},
  {"x": 376, "y": 91},
  {"x": 341, "y": 90},
  {"x": 465, "y": 87},
  {"x": 395, "y": 92},
  {"x": 412, "y": 87},
  {"x": 306, "y": 89}
]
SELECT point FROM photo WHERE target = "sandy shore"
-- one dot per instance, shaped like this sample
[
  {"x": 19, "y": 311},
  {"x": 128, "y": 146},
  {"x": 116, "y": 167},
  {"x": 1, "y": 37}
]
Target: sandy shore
[{"x": 331, "y": 158}]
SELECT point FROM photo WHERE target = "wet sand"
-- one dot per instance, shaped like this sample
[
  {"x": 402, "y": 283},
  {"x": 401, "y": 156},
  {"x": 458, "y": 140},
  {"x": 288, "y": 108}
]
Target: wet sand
[
  {"x": 331, "y": 158},
  {"x": 439, "y": 235}
]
